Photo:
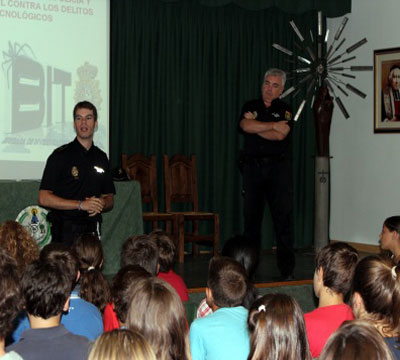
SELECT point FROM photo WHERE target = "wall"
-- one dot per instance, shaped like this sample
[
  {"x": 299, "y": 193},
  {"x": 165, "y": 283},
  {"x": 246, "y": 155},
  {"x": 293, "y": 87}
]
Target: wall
[{"x": 365, "y": 168}]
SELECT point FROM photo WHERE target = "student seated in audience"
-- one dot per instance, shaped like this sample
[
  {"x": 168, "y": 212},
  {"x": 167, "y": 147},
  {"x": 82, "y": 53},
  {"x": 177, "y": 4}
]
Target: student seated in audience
[
  {"x": 17, "y": 241},
  {"x": 334, "y": 269},
  {"x": 116, "y": 311},
  {"x": 140, "y": 250},
  {"x": 166, "y": 256},
  {"x": 277, "y": 329},
  {"x": 46, "y": 289},
  {"x": 93, "y": 286},
  {"x": 81, "y": 318},
  {"x": 356, "y": 340},
  {"x": 390, "y": 237},
  {"x": 240, "y": 249},
  {"x": 10, "y": 301},
  {"x": 157, "y": 312},
  {"x": 121, "y": 345},
  {"x": 223, "y": 334},
  {"x": 376, "y": 297}
]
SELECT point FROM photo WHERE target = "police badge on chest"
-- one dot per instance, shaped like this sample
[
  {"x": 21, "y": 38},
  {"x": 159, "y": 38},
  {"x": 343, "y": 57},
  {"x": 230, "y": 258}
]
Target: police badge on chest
[{"x": 75, "y": 172}]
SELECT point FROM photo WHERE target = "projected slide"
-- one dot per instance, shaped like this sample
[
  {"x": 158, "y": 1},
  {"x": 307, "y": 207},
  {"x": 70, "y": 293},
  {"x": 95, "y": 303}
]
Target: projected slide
[{"x": 53, "y": 53}]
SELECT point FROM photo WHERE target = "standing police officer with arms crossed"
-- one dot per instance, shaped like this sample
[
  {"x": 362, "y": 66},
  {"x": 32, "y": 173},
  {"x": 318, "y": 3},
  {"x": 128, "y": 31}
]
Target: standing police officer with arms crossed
[
  {"x": 77, "y": 185},
  {"x": 267, "y": 168}
]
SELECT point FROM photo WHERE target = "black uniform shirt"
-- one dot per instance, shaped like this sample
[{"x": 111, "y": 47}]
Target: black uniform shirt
[
  {"x": 255, "y": 145},
  {"x": 74, "y": 173}
]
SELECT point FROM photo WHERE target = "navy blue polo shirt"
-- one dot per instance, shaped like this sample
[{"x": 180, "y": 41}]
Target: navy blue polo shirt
[
  {"x": 74, "y": 173},
  {"x": 255, "y": 145}
]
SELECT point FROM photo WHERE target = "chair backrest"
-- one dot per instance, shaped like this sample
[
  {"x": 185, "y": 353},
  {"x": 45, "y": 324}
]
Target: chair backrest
[
  {"x": 143, "y": 169},
  {"x": 180, "y": 181}
]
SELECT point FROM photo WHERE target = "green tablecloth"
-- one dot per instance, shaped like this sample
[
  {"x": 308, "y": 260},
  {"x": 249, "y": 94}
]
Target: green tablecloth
[{"x": 124, "y": 220}]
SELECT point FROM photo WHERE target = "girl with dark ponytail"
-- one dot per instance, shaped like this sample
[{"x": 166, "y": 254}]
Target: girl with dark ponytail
[
  {"x": 376, "y": 297},
  {"x": 93, "y": 285}
]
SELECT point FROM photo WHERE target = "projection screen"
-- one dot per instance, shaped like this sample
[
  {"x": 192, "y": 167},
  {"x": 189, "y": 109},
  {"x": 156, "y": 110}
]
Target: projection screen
[{"x": 53, "y": 54}]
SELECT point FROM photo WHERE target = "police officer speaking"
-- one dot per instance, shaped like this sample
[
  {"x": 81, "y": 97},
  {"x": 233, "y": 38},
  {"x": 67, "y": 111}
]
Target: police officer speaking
[
  {"x": 267, "y": 169},
  {"x": 77, "y": 185}
]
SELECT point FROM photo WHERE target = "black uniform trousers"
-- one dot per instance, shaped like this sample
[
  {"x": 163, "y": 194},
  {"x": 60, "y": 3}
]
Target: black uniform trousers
[
  {"x": 64, "y": 230},
  {"x": 269, "y": 179}
]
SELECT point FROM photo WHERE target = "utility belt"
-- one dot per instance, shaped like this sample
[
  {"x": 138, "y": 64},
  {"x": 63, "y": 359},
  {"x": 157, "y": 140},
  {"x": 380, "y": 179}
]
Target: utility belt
[
  {"x": 88, "y": 227},
  {"x": 60, "y": 226},
  {"x": 259, "y": 160}
]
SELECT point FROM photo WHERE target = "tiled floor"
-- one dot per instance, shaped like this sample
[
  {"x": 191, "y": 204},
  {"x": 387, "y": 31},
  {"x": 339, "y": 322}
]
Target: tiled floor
[{"x": 194, "y": 270}]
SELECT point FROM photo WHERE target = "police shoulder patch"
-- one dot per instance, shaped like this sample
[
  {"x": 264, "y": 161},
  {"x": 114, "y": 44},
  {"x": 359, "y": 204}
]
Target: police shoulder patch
[{"x": 288, "y": 115}]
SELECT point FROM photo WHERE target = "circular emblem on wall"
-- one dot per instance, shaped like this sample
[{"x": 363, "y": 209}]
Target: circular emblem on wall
[{"x": 34, "y": 219}]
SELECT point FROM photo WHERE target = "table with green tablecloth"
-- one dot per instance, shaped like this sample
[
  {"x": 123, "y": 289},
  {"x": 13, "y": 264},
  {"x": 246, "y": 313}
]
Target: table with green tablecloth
[{"x": 124, "y": 220}]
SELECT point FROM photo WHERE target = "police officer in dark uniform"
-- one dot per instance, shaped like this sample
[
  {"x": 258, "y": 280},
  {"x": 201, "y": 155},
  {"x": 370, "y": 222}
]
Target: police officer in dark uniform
[
  {"x": 267, "y": 168},
  {"x": 77, "y": 185}
]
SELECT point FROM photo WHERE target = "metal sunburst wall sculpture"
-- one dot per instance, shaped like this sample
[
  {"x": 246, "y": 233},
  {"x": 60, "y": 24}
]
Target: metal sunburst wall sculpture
[
  {"x": 325, "y": 67},
  {"x": 316, "y": 73}
]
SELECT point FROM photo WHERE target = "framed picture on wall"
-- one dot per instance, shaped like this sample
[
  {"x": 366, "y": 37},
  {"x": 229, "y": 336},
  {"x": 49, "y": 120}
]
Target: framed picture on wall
[{"x": 387, "y": 90}]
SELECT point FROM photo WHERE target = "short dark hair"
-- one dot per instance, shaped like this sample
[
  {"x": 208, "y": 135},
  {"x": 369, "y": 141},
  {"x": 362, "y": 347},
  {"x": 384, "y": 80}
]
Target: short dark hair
[
  {"x": 120, "y": 288},
  {"x": 243, "y": 251},
  {"x": 393, "y": 223},
  {"x": 140, "y": 250},
  {"x": 166, "y": 249},
  {"x": 61, "y": 255},
  {"x": 45, "y": 288},
  {"x": 10, "y": 293},
  {"x": 228, "y": 282},
  {"x": 85, "y": 105},
  {"x": 338, "y": 261}
]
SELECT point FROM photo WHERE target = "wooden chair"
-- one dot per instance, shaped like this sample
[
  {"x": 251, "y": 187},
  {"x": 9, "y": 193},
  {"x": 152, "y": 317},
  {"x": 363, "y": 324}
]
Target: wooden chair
[
  {"x": 144, "y": 169},
  {"x": 180, "y": 181}
]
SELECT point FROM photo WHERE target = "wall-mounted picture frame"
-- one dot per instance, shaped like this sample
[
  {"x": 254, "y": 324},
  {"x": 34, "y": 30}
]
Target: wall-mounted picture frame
[{"x": 387, "y": 90}]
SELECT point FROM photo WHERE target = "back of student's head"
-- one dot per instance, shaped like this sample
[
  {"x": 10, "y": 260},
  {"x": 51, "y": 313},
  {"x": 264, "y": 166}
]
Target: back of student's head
[
  {"x": 277, "y": 329},
  {"x": 121, "y": 344},
  {"x": 228, "y": 281},
  {"x": 338, "y": 261},
  {"x": 93, "y": 285},
  {"x": 377, "y": 281},
  {"x": 244, "y": 252},
  {"x": 120, "y": 288},
  {"x": 356, "y": 340},
  {"x": 17, "y": 241},
  {"x": 158, "y": 313},
  {"x": 240, "y": 248},
  {"x": 10, "y": 293},
  {"x": 45, "y": 289},
  {"x": 61, "y": 255},
  {"x": 140, "y": 250},
  {"x": 166, "y": 249},
  {"x": 89, "y": 252}
]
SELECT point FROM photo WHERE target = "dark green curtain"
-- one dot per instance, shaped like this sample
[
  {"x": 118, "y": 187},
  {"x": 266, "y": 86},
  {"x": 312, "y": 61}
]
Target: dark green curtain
[{"x": 180, "y": 72}]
